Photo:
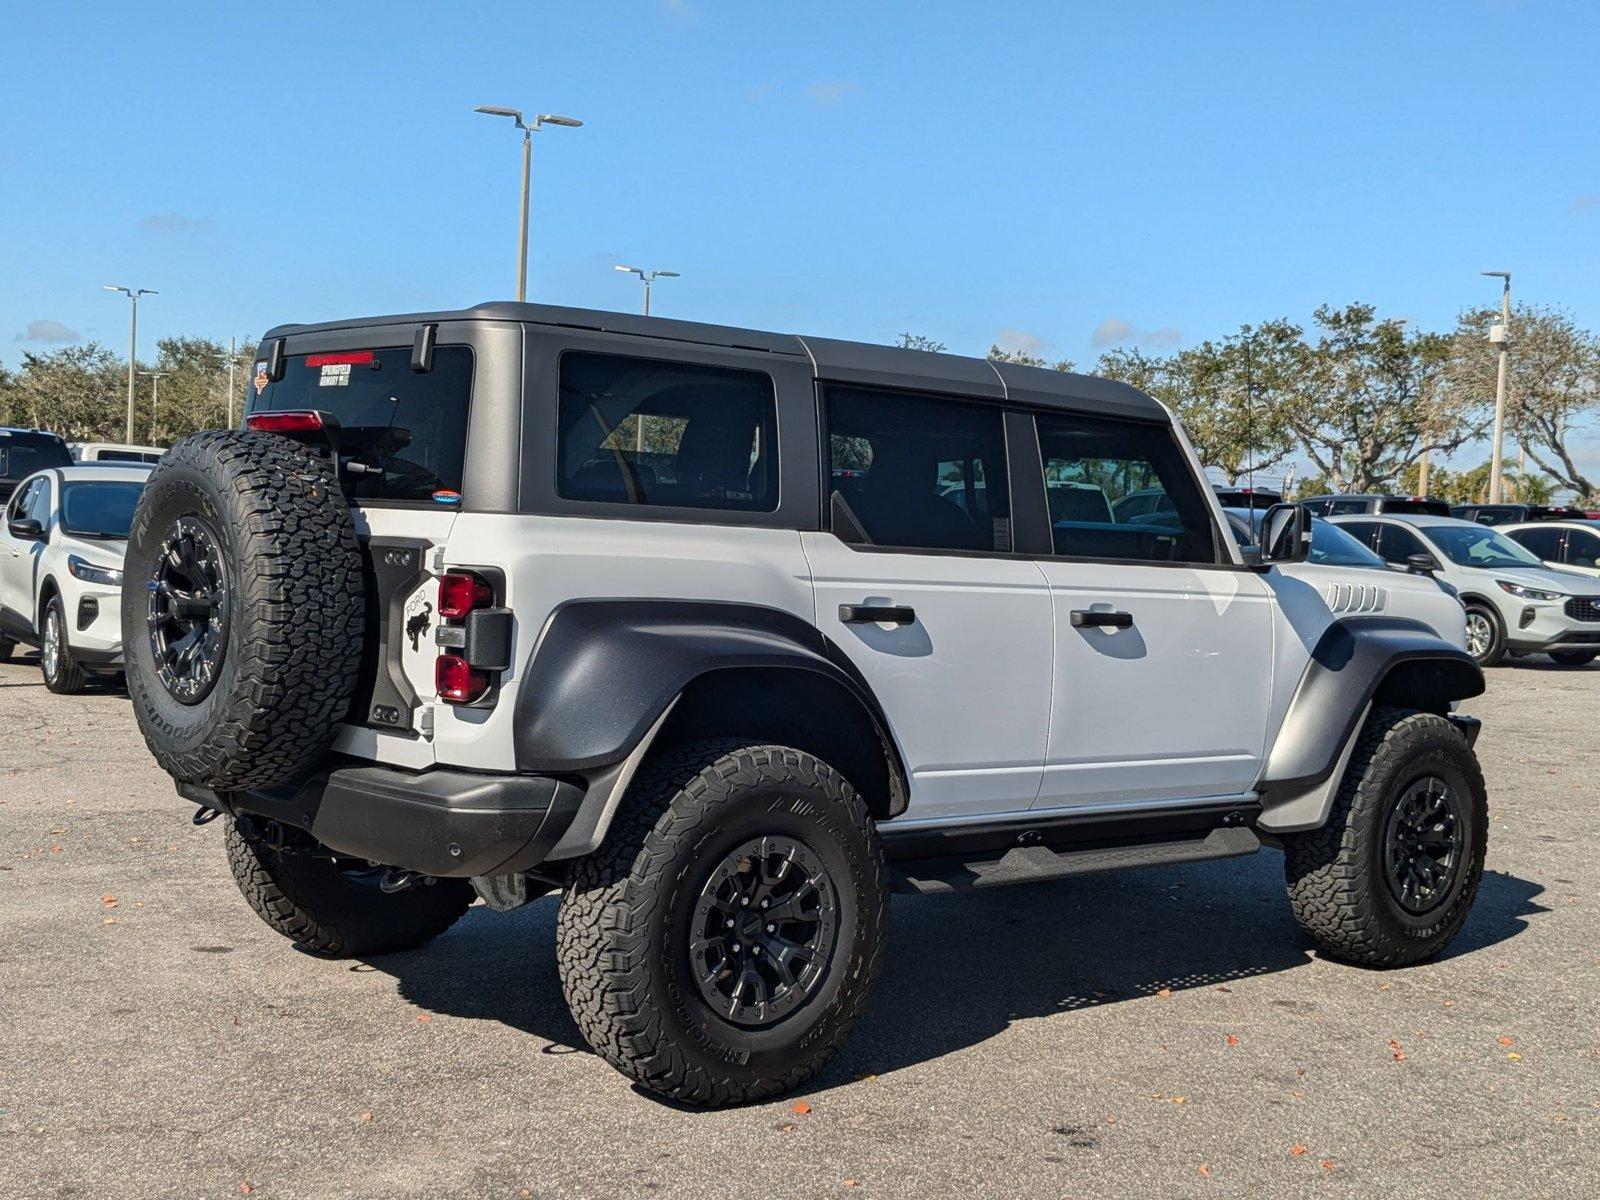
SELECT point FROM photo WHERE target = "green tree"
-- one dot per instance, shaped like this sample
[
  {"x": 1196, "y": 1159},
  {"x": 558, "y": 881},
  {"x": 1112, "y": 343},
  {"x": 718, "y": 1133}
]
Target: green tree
[
  {"x": 1023, "y": 359},
  {"x": 915, "y": 341},
  {"x": 1553, "y": 389}
]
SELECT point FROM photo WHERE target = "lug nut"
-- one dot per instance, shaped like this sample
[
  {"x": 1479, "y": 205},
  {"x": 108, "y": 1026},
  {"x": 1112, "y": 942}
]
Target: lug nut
[
  {"x": 736, "y": 947},
  {"x": 772, "y": 929},
  {"x": 764, "y": 903},
  {"x": 755, "y": 949},
  {"x": 745, "y": 900}
]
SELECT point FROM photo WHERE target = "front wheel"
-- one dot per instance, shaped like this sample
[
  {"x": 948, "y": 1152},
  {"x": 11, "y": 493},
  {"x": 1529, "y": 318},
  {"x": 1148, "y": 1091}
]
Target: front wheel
[
  {"x": 1391, "y": 876},
  {"x": 721, "y": 944},
  {"x": 1486, "y": 635},
  {"x": 1572, "y": 658},
  {"x": 62, "y": 674}
]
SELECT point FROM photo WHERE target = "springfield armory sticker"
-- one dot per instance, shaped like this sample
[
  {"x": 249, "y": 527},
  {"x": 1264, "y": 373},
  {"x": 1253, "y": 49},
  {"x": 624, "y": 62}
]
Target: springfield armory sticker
[{"x": 334, "y": 375}]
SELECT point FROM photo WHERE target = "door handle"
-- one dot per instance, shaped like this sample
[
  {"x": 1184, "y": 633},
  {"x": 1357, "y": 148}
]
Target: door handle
[
  {"x": 869, "y": 614},
  {"x": 1101, "y": 620}
]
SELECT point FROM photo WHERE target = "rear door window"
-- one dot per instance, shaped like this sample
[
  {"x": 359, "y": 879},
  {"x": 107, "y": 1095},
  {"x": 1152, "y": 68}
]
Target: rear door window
[
  {"x": 1363, "y": 531},
  {"x": 402, "y": 434},
  {"x": 1546, "y": 543},
  {"x": 917, "y": 472},
  {"x": 1583, "y": 548},
  {"x": 1396, "y": 544},
  {"x": 1093, "y": 464},
  {"x": 650, "y": 432}
]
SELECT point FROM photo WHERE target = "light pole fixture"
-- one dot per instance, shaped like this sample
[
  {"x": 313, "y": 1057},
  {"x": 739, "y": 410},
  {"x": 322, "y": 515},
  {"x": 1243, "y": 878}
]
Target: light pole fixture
[
  {"x": 1500, "y": 335},
  {"x": 133, "y": 294},
  {"x": 539, "y": 122},
  {"x": 230, "y": 360},
  {"x": 647, "y": 278},
  {"x": 155, "y": 378}
]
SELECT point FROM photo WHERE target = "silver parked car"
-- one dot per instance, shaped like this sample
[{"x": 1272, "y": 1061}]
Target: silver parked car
[{"x": 1515, "y": 604}]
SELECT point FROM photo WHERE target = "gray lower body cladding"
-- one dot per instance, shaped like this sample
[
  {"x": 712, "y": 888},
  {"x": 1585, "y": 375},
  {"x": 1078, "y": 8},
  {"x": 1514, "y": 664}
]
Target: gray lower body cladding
[{"x": 435, "y": 822}]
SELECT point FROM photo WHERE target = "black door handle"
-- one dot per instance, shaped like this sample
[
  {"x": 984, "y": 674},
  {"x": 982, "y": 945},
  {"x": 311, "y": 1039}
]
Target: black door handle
[
  {"x": 1102, "y": 620},
  {"x": 866, "y": 614}
]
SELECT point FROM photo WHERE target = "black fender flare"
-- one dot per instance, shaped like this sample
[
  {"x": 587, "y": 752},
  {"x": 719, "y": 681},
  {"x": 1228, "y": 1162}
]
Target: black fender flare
[
  {"x": 1356, "y": 661},
  {"x": 603, "y": 672}
]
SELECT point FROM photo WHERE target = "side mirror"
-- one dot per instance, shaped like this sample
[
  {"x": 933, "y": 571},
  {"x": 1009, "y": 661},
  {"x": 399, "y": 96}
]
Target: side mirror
[
  {"x": 1285, "y": 534},
  {"x": 1422, "y": 564},
  {"x": 25, "y": 529}
]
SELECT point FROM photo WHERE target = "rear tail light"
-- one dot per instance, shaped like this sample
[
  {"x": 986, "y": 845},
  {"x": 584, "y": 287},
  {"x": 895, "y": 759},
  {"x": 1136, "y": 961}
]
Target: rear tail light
[
  {"x": 460, "y": 593},
  {"x": 457, "y": 681}
]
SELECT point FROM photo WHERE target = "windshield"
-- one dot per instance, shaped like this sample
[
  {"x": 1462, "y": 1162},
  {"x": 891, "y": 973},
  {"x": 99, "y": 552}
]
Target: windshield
[
  {"x": 402, "y": 433},
  {"x": 1330, "y": 545},
  {"x": 100, "y": 508},
  {"x": 1478, "y": 546}
]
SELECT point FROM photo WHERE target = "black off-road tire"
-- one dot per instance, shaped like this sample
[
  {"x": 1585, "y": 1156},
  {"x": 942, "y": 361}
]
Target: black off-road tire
[
  {"x": 1572, "y": 658},
  {"x": 1336, "y": 874},
  {"x": 340, "y": 913},
  {"x": 294, "y": 619},
  {"x": 622, "y": 935},
  {"x": 1495, "y": 654},
  {"x": 62, "y": 674}
]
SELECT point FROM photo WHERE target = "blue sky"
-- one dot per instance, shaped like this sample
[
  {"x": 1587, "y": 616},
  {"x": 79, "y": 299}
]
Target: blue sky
[{"x": 1059, "y": 176}]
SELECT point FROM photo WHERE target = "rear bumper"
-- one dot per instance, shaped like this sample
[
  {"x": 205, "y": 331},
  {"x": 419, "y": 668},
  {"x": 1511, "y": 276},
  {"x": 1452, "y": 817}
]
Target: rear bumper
[{"x": 435, "y": 822}]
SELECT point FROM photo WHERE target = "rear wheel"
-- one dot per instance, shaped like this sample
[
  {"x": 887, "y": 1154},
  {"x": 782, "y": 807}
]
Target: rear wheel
[
  {"x": 1391, "y": 876},
  {"x": 335, "y": 906},
  {"x": 1572, "y": 658},
  {"x": 1486, "y": 634},
  {"x": 721, "y": 944},
  {"x": 62, "y": 674}
]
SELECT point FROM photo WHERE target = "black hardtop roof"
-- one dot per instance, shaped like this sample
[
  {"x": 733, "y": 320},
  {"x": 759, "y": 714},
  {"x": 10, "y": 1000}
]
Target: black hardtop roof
[{"x": 838, "y": 361}]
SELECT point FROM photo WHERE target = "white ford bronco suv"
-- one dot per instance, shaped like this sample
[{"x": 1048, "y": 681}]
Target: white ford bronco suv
[{"x": 727, "y": 635}]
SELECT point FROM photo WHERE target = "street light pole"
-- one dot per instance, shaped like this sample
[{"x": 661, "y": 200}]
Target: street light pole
[
  {"x": 1500, "y": 335},
  {"x": 133, "y": 294},
  {"x": 647, "y": 278},
  {"x": 539, "y": 122},
  {"x": 155, "y": 378}
]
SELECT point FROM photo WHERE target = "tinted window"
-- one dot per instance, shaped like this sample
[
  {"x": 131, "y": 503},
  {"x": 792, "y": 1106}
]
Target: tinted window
[
  {"x": 1546, "y": 543},
  {"x": 1583, "y": 548},
  {"x": 643, "y": 431},
  {"x": 402, "y": 433},
  {"x": 99, "y": 508},
  {"x": 1091, "y": 464},
  {"x": 1396, "y": 544},
  {"x": 1362, "y": 531},
  {"x": 918, "y": 472},
  {"x": 127, "y": 456},
  {"x": 1433, "y": 508},
  {"x": 1339, "y": 507},
  {"x": 21, "y": 454}
]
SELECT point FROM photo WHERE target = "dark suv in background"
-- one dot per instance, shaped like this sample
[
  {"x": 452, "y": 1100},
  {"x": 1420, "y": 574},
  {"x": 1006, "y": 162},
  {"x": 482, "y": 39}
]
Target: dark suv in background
[
  {"x": 24, "y": 451},
  {"x": 1515, "y": 514},
  {"x": 1375, "y": 502}
]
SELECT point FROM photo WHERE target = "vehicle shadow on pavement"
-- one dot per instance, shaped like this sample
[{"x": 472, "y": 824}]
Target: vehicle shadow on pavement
[{"x": 961, "y": 969}]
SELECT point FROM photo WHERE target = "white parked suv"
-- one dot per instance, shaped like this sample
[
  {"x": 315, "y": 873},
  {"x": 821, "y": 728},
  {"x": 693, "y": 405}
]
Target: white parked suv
[
  {"x": 61, "y": 551},
  {"x": 1515, "y": 603},
  {"x": 725, "y": 635}
]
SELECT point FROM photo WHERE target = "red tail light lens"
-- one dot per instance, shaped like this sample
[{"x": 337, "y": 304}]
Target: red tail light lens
[
  {"x": 293, "y": 421},
  {"x": 456, "y": 681},
  {"x": 460, "y": 593}
]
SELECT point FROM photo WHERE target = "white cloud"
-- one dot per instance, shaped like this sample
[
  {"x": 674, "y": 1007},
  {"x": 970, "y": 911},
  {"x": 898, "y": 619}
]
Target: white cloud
[
  {"x": 1110, "y": 332},
  {"x": 175, "y": 223},
  {"x": 45, "y": 330},
  {"x": 1165, "y": 337},
  {"x": 830, "y": 92},
  {"x": 1582, "y": 206},
  {"x": 1020, "y": 341}
]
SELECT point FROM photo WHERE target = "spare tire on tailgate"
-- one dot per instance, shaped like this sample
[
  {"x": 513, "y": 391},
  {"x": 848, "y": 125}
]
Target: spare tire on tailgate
[{"x": 242, "y": 610}]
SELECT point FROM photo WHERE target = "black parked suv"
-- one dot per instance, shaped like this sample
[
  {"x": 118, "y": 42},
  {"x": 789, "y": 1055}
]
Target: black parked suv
[
  {"x": 1374, "y": 502},
  {"x": 24, "y": 451}
]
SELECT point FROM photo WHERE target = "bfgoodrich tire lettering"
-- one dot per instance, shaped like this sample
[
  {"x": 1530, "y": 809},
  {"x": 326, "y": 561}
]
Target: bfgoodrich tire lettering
[
  {"x": 288, "y": 602},
  {"x": 624, "y": 930},
  {"x": 1341, "y": 889}
]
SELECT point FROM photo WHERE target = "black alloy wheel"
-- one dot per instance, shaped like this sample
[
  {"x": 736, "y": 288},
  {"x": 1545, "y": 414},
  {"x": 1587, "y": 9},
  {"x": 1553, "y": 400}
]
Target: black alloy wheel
[{"x": 189, "y": 610}]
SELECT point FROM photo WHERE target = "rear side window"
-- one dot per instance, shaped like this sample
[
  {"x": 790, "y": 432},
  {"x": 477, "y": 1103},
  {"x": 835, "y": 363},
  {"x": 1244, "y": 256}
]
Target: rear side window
[
  {"x": 22, "y": 454},
  {"x": 1432, "y": 508},
  {"x": 402, "y": 433},
  {"x": 1583, "y": 548},
  {"x": 644, "y": 431},
  {"x": 1395, "y": 544},
  {"x": 917, "y": 472},
  {"x": 1546, "y": 543},
  {"x": 1092, "y": 465},
  {"x": 1362, "y": 531}
]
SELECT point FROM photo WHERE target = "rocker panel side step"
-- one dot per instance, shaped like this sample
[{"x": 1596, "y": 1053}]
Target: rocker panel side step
[{"x": 1030, "y": 864}]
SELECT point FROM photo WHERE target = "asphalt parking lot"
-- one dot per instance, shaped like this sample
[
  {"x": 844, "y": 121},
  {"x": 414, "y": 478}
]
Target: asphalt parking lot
[{"x": 1166, "y": 1031}]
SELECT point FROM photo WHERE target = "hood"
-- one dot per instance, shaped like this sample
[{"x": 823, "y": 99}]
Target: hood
[
  {"x": 102, "y": 552},
  {"x": 1570, "y": 582}
]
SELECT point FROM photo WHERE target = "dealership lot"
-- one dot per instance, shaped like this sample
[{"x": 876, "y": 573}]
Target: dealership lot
[{"x": 1106, "y": 1035}]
